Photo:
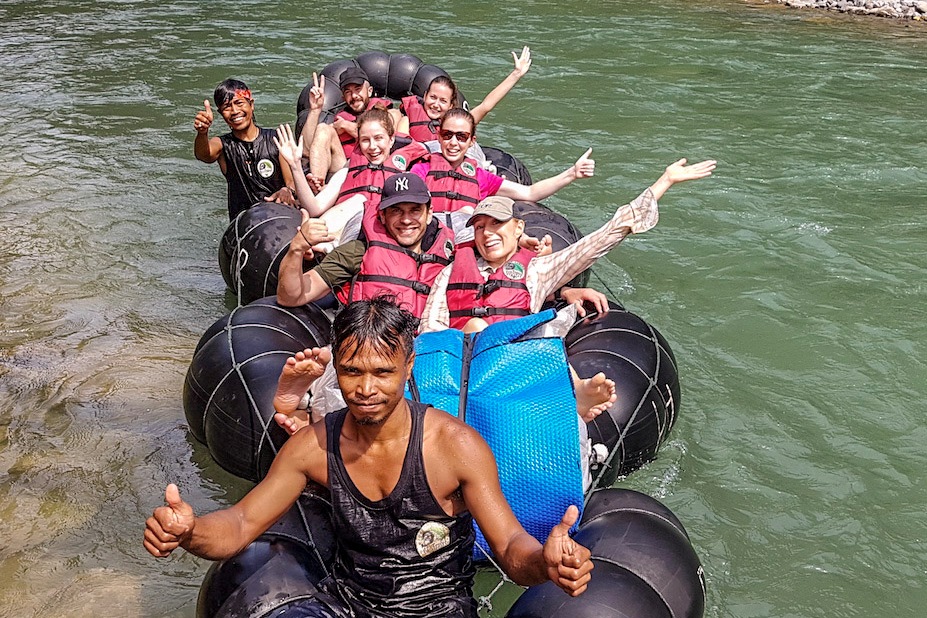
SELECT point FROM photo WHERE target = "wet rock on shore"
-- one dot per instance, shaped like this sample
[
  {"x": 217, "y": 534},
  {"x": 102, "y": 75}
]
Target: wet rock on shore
[{"x": 898, "y": 9}]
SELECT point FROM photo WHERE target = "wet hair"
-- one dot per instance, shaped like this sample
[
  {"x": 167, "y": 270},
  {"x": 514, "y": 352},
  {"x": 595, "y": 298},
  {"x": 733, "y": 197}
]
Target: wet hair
[
  {"x": 377, "y": 113},
  {"x": 459, "y": 112},
  {"x": 378, "y": 324},
  {"x": 444, "y": 80},
  {"x": 227, "y": 90}
]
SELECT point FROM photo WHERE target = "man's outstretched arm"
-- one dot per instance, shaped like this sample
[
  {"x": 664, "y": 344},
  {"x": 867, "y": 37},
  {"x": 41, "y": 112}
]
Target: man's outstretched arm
[{"x": 222, "y": 534}]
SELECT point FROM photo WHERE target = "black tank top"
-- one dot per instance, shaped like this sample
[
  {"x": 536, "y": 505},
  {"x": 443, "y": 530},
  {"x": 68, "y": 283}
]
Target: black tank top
[
  {"x": 252, "y": 170},
  {"x": 401, "y": 556}
]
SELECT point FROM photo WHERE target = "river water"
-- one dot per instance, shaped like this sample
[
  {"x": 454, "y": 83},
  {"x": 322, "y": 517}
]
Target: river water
[{"x": 791, "y": 284}]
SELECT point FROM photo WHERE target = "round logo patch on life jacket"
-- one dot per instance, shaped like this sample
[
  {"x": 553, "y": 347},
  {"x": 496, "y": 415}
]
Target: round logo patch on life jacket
[
  {"x": 468, "y": 169},
  {"x": 514, "y": 271},
  {"x": 399, "y": 162},
  {"x": 265, "y": 167},
  {"x": 431, "y": 537},
  {"x": 448, "y": 249}
]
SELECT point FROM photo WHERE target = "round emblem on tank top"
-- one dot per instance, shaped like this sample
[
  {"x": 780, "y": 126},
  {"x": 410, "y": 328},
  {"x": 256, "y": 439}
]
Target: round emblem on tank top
[
  {"x": 431, "y": 537},
  {"x": 468, "y": 169},
  {"x": 265, "y": 167},
  {"x": 514, "y": 271},
  {"x": 399, "y": 162}
]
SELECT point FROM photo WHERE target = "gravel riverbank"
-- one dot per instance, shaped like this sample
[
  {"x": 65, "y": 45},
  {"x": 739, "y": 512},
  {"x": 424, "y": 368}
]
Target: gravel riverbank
[{"x": 897, "y": 9}]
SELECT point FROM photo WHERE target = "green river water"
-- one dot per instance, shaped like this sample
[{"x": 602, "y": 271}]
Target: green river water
[{"x": 791, "y": 284}]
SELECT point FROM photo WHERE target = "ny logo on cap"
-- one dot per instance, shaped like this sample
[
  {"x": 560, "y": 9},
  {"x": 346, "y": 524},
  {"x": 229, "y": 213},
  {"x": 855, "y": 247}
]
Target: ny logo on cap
[{"x": 402, "y": 184}]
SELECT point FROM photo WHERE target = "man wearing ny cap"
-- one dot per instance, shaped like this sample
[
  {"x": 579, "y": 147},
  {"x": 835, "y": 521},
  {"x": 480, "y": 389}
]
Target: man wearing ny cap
[
  {"x": 402, "y": 251},
  {"x": 330, "y": 146}
]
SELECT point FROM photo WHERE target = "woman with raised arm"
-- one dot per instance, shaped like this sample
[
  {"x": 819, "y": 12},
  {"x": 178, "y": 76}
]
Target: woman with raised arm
[
  {"x": 423, "y": 114},
  {"x": 457, "y": 183}
]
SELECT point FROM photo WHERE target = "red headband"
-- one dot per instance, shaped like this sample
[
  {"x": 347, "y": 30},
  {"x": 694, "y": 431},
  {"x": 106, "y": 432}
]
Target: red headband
[{"x": 244, "y": 94}]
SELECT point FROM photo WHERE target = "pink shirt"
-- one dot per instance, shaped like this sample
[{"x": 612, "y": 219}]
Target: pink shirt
[{"x": 488, "y": 182}]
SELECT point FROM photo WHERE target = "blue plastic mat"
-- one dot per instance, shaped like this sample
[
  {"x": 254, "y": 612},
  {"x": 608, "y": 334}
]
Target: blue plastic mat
[{"x": 520, "y": 398}]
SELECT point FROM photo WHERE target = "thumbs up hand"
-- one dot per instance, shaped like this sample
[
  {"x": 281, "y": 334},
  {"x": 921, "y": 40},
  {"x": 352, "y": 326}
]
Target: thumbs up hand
[
  {"x": 169, "y": 525},
  {"x": 568, "y": 563},
  {"x": 584, "y": 166},
  {"x": 203, "y": 119}
]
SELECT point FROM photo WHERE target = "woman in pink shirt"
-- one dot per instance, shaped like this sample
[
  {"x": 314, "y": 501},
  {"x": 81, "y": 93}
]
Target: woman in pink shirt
[{"x": 458, "y": 183}]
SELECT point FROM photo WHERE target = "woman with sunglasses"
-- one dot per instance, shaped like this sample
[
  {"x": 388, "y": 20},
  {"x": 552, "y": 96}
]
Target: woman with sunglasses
[{"x": 457, "y": 183}]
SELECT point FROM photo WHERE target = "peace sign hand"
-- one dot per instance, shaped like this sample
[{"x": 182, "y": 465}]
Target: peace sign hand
[{"x": 317, "y": 92}]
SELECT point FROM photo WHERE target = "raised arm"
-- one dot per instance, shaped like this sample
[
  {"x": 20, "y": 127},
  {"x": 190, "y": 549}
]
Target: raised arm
[
  {"x": 522, "y": 64},
  {"x": 583, "y": 168},
  {"x": 291, "y": 153},
  {"x": 316, "y": 100},
  {"x": 205, "y": 149},
  {"x": 526, "y": 561},
  {"x": 556, "y": 269},
  {"x": 680, "y": 172}
]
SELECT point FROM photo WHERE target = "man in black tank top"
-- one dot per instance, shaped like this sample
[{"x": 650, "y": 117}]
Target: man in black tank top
[
  {"x": 247, "y": 155},
  {"x": 406, "y": 481}
]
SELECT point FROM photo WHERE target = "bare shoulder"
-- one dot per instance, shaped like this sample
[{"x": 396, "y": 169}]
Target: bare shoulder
[
  {"x": 307, "y": 450},
  {"x": 453, "y": 436}
]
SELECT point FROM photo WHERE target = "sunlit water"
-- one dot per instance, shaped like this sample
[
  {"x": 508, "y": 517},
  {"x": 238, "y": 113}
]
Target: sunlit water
[{"x": 791, "y": 285}]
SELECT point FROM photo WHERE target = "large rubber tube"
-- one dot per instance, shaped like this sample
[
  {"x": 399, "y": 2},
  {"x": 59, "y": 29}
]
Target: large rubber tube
[
  {"x": 645, "y": 566},
  {"x": 392, "y": 75},
  {"x": 637, "y": 357},
  {"x": 278, "y": 572},
  {"x": 253, "y": 247},
  {"x": 540, "y": 221},
  {"x": 229, "y": 388},
  {"x": 508, "y": 166}
]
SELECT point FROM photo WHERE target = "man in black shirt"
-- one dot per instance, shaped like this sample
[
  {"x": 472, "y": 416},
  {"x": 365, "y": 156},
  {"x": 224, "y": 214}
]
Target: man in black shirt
[
  {"x": 409, "y": 478},
  {"x": 247, "y": 155}
]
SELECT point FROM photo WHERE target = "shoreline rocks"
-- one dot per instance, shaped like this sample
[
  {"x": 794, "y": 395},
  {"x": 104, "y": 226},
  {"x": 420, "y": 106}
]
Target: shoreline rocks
[{"x": 915, "y": 10}]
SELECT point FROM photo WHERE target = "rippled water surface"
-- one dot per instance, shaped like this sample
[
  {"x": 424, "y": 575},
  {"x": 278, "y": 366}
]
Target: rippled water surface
[{"x": 791, "y": 285}]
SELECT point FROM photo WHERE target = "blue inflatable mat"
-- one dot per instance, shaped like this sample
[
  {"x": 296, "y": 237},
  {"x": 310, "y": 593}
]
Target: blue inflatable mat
[{"x": 519, "y": 396}]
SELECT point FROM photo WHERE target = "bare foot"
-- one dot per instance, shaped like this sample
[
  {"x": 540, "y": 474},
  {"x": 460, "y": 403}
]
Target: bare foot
[
  {"x": 594, "y": 395},
  {"x": 299, "y": 372}
]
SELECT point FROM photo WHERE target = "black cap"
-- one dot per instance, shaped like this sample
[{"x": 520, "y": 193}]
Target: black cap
[
  {"x": 402, "y": 188},
  {"x": 352, "y": 75}
]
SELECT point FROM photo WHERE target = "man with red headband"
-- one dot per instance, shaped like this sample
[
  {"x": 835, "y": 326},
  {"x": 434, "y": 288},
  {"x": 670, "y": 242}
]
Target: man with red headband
[{"x": 247, "y": 155}]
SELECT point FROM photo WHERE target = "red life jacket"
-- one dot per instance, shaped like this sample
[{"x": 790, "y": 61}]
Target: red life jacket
[
  {"x": 452, "y": 189},
  {"x": 421, "y": 127},
  {"x": 367, "y": 178},
  {"x": 503, "y": 296},
  {"x": 348, "y": 141},
  {"x": 388, "y": 268}
]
